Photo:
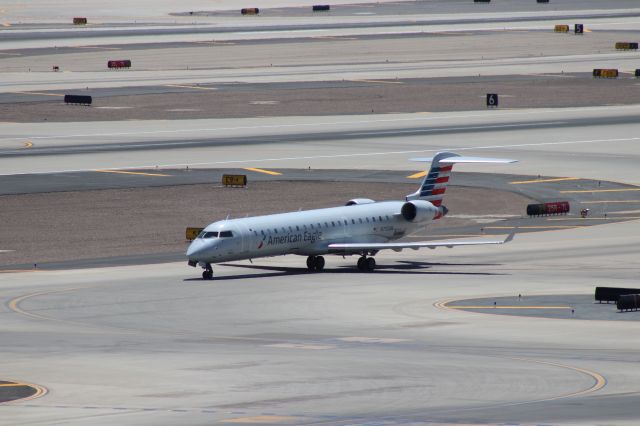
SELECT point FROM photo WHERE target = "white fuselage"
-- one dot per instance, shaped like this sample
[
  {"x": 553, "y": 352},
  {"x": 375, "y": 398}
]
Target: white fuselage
[{"x": 305, "y": 233}]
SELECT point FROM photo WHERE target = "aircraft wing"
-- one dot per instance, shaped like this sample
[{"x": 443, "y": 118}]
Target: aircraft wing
[{"x": 417, "y": 245}]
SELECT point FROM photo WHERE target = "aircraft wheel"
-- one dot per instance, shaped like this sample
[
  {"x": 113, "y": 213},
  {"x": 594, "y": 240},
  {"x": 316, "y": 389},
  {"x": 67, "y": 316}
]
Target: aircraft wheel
[
  {"x": 361, "y": 263},
  {"x": 311, "y": 263},
  {"x": 207, "y": 274},
  {"x": 371, "y": 264},
  {"x": 319, "y": 263}
]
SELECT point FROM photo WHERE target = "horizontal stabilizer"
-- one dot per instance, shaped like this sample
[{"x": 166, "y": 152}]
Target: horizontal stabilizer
[{"x": 468, "y": 160}]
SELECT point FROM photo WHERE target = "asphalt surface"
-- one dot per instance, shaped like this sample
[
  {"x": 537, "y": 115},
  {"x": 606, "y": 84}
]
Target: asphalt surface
[
  {"x": 321, "y": 98},
  {"x": 267, "y": 342}
]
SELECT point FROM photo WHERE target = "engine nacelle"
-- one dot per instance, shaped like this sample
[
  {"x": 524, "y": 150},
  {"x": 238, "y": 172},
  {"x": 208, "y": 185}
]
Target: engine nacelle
[
  {"x": 419, "y": 211},
  {"x": 358, "y": 201}
]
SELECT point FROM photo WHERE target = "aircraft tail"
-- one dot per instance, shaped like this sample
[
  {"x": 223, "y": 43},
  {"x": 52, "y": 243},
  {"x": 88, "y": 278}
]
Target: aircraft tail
[{"x": 435, "y": 181}]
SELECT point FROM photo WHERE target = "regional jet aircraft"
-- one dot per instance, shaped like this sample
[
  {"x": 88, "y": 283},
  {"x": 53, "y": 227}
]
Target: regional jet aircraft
[{"x": 363, "y": 227}]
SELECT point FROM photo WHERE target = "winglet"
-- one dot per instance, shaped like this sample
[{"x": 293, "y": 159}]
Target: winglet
[{"x": 510, "y": 236}]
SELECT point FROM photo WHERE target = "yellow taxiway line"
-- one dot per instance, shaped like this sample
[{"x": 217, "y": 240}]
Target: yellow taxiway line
[
  {"x": 377, "y": 81},
  {"x": 523, "y": 182},
  {"x": 130, "y": 173},
  {"x": 507, "y": 307},
  {"x": 600, "y": 190},
  {"x": 609, "y": 201},
  {"x": 598, "y": 218},
  {"x": 268, "y": 172},
  {"x": 417, "y": 175},
  {"x": 536, "y": 227}
]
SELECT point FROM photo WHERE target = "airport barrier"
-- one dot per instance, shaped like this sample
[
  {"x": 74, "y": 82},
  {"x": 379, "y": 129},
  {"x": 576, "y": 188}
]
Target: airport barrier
[
  {"x": 637, "y": 72},
  {"x": 121, "y": 63},
  {"x": 77, "y": 99},
  {"x": 626, "y": 45},
  {"x": 612, "y": 294},
  {"x": 79, "y": 21},
  {"x": 628, "y": 302},
  {"x": 234, "y": 180},
  {"x": 559, "y": 207},
  {"x": 250, "y": 11},
  {"x": 192, "y": 233},
  {"x": 578, "y": 29},
  {"x": 605, "y": 72},
  {"x": 561, "y": 29},
  {"x": 320, "y": 7}
]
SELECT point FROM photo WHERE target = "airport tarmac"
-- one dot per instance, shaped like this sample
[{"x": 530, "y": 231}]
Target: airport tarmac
[{"x": 269, "y": 343}]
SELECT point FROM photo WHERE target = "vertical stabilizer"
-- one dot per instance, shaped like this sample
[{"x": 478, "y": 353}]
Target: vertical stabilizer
[{"x": 435, "y": 181}]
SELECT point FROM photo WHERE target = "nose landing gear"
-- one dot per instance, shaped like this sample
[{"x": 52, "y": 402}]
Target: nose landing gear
[
  {"x": 207, "y": 274},
  {"x": 366, "y": 264},
  {"x": 315, "y": 263}
]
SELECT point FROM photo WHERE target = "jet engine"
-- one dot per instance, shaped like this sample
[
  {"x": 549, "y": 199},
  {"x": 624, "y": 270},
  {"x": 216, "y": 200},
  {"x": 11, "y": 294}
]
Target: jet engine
[
  {"x": 357, "y": 201},
  {"x": 420, "y": 211}
]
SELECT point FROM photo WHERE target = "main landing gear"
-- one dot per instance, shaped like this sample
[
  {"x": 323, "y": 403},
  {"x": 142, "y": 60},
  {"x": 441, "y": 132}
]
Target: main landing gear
[
  {"x": 315, "y": 263},
  {"x": 366, "y": 264},
  {"x": 207, "y": 274}
]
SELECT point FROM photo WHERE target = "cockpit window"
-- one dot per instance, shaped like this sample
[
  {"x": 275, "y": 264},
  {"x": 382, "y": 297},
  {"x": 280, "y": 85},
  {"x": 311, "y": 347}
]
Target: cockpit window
[
  {"x": 208, "y": 234},
  {"x": 226, "y": 234}
]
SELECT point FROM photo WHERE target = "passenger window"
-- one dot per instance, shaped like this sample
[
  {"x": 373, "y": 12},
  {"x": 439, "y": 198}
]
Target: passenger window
[
  {"x": 367, "y": 220},
  {"x": 326, "y": 225},
  {"x": 311, "y": 226},
  {"x": 333, "y": 224},
  {"x": 373, "y": 218},
  {"x": 353, "y": 221},
  {"x": 275, "y": 230},
  {"x": 360, "y": 219},
  {"x": 345, "y": 222},
  {"x": 297, "y": 228},
  {"x": 290, "y": 229},
  {"x": 387, "y": 217}
]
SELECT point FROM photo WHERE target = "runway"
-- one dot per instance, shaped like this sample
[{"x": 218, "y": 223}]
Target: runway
[{"x": 573, "y": 142}]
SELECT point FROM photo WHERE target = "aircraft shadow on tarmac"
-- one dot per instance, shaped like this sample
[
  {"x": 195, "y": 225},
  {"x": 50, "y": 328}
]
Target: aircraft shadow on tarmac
[{"x": 400, "y": 268}]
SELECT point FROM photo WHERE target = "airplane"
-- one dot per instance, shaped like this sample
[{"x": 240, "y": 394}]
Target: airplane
[{"x": 362, "y": 227}]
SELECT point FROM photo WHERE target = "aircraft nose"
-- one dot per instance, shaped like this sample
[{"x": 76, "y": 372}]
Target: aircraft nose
[{"x": 195, "y": 249}]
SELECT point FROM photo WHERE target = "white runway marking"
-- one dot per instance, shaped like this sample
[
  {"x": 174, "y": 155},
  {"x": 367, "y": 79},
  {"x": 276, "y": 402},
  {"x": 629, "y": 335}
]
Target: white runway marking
[
  {"x": 300, "y": 346},
  {"x": 371, "y": 340}
]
